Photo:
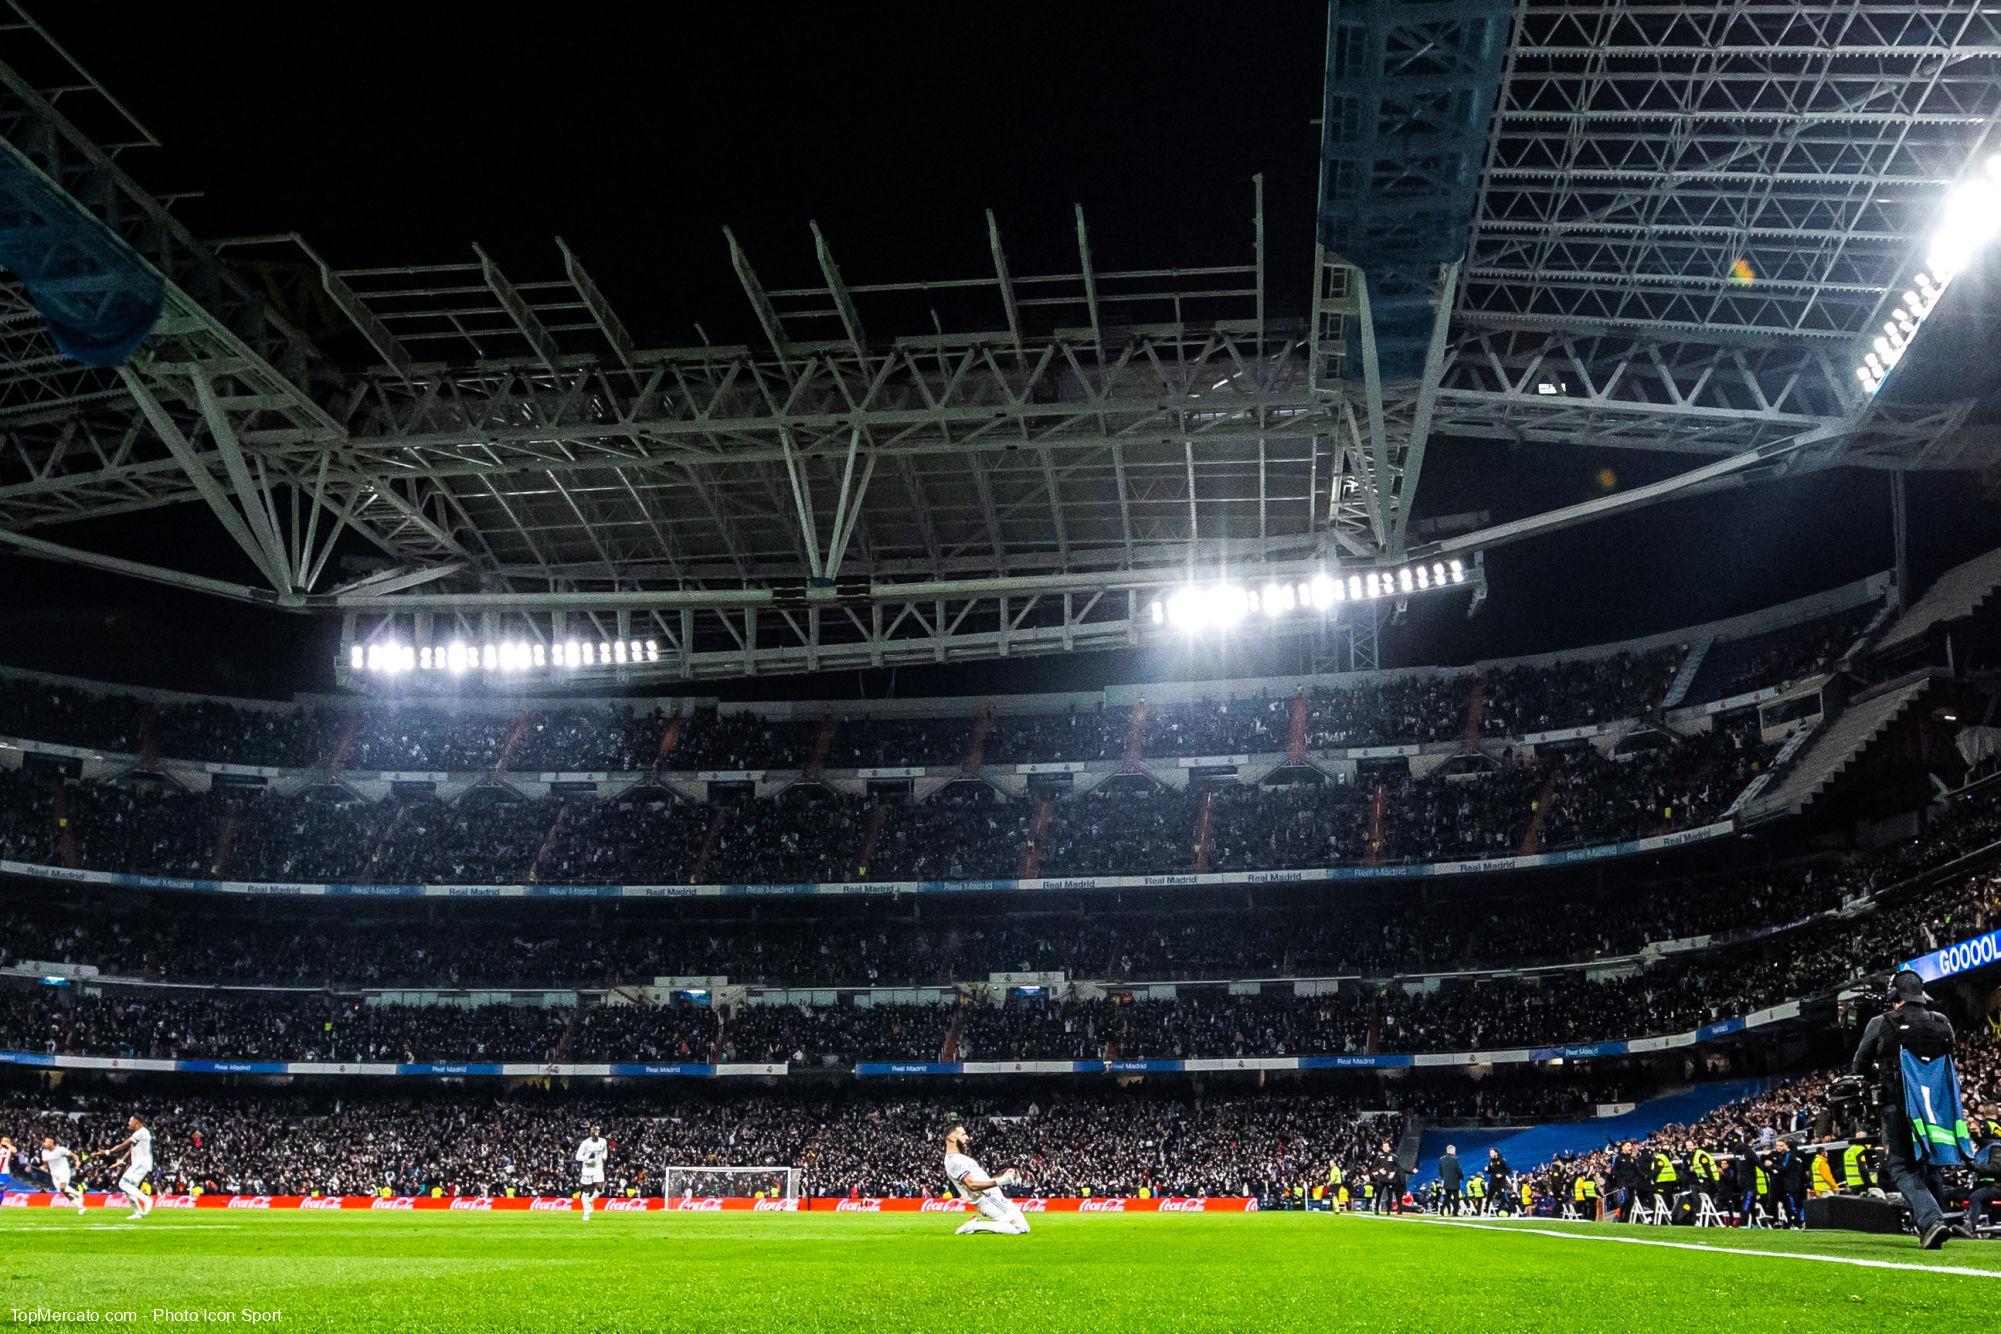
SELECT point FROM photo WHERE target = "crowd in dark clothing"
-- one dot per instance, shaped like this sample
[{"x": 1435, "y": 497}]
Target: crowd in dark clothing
[
  {"x": 1748, "y": 1157},
  {"x": 1393, "y": 708},
  {"x": 1186, "y": 936},
  {"x": 809, "y": 833},
  {"x": 1268, "y": 1019},
  {"x": 1062, "y": 1141}
]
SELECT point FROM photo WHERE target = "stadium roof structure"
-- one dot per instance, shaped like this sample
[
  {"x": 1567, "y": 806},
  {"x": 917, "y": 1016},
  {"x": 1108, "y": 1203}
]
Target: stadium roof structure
[{"x": 1660, "y": 226}]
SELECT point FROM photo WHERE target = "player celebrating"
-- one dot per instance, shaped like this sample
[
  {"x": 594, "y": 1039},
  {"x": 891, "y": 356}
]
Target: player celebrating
[
  {"x": 60, "y": 1163},
  {"x": 997, "y": 1212},
  {"x": 592, "y": 1154},
  {"x": 137, "y": 1146}
]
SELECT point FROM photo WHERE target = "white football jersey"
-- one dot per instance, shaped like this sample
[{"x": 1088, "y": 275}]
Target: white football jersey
[
  {"x": 58, "y": 1160},
  {"x": 957, "y": 1168},
  {"x": 142, "y": 1150},
  {"x": 592, "y": 1154}
]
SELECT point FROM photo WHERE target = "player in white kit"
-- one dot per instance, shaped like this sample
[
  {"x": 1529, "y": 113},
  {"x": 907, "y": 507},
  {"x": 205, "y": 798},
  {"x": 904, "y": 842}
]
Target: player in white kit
[
  {"x": 138, "y": 1149},
  {"x": 591, "y": 1155},
  {"x": 61, "y": 1163},
  {"x": 996, "y": 1212}
]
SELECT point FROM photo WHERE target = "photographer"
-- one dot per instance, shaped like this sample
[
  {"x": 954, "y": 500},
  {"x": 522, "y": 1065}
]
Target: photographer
[
  {"x": 1983, "y": 1206},
  {"x": 1907, "y": 1026}
]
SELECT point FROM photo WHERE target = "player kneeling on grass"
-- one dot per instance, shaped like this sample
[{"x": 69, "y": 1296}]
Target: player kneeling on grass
[
  {"x": 997, "y": 1213},
  {"x": 591, "y": 1155}
]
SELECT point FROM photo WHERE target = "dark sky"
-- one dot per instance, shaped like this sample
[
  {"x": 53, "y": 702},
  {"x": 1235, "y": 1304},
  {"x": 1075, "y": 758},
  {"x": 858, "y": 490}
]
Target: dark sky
[{"x": 403, "y": 133}]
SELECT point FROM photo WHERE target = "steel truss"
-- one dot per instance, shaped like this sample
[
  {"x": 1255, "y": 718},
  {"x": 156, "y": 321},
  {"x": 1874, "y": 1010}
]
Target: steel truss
[{"x": 1019, "y": 475}]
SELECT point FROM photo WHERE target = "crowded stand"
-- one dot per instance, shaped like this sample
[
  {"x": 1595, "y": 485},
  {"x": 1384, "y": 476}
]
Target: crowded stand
[
  {"x": 1067, "y": 1143},
  {"x": 1756, "y": 1157},
  {"x": 1675, "y": 996},
  {"x": 1780, "y": 657},
  {"x": 1404, "y": 707},
  {"x": 810, "y": 833},
  {"x": 1519, "y": 701},
  {"x": 1189, "y": 938}
]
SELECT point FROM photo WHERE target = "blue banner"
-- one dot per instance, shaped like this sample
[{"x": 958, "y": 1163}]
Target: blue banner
[{"x": 1964, "y": 957}]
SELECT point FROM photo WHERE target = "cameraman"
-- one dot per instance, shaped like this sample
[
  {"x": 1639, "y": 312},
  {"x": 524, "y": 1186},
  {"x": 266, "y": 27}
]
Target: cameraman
[{"x": 1908, "y": 1024}]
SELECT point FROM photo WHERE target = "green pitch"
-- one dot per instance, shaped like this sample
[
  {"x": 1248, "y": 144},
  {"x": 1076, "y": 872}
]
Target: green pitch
[{"x": 298, "y": 1272}]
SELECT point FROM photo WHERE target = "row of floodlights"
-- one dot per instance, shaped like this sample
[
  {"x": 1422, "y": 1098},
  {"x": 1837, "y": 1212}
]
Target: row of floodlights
[
  {"x": 1972, "y": 219},
  {"x": 1224, "y": 604},
  {"x": 387, "y": 658}
]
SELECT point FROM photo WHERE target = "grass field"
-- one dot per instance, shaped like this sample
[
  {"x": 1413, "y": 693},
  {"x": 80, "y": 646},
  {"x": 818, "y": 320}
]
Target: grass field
[{"x": 909, "y": 1272}]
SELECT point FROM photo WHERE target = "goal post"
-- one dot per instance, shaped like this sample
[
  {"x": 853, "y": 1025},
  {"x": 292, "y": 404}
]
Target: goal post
[{"x": 684, "y": 1181}]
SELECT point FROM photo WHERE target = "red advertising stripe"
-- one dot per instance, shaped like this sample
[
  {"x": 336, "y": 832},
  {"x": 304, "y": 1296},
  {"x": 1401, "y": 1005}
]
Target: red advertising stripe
[{"x": 710, "y": 1204}]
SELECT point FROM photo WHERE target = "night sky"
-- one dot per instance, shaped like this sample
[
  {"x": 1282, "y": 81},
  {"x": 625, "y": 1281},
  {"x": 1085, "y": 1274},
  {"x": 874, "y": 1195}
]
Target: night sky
[{"x": 392, "y": 134}]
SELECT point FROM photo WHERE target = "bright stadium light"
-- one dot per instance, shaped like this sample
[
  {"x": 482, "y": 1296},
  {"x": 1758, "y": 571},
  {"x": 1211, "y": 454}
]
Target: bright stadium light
[
  {"x": 1969, "y": 222},
  {"x": 1197, "y": 607}
]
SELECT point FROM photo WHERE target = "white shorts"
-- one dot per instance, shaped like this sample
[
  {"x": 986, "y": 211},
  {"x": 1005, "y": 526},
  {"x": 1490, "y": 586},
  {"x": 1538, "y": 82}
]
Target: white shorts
[
  {"x": 134, "y": 1178},
  {"x": 593, "y": 1178},
  {"x": 1000, "y": 1210},
  {"x": 59, "y": 1181}
]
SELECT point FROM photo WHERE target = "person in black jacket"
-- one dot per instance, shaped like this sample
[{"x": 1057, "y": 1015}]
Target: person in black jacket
[
  {"x": 1450, "y": 1177},
  {"x": 1628, "y": 1180},
  {"x": 1497, "y": 1181},
  {"x": 1788, "y": 1168},
  {"x": 1389, "y": 1181},
  {"x": 1907, "y": 1024}
]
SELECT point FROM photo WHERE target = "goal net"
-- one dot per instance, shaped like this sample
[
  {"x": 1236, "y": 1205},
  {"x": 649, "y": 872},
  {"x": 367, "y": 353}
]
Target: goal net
[{"x": 683, "y": 1182}]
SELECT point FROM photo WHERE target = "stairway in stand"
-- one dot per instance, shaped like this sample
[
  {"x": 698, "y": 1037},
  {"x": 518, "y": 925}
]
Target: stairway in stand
[
  {"x": 514, "y": 736},
  {"x": 548, "y": 842},
  {"x": 948, "y": 1050},
  {"x": 1532, "y": 839},
  {"x": 149, "y": 737},
  {"x": 823, "y": 743},
  {"x": 699, "y": 876},
  {"x": 1295, "y": 746},
  {"x": 1476, "y": 713},
  {"x": 1031, "y": 856},
  {"x": 876, "y": 816},
  {"x": 65, "y": 825},
  {"x": 382, "y": 844},
  {"x": 668, "y": 740},
  {"x": 569, "y": 1038},
  {"x": 225, "y": 843},
  {"x": 1379, "y": 805},
  {"x": 1136, "y": 739},
  {"x": 1204, "y": 818},
  {"x": 344, "y": 746},
  {"x": 976, "y": 749}
]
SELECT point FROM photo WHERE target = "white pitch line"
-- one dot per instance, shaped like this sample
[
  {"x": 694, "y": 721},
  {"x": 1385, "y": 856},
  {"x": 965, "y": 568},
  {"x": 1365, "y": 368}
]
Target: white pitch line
[{"x": 1855, "y": 1260}]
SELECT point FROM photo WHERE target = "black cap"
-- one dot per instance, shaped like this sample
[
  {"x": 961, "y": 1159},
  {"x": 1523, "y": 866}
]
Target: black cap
[{"x": 1907, "y": 986}]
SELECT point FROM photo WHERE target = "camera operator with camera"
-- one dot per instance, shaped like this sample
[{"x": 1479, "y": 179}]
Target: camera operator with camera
[
  {"x": 1909, "y": 1026},
  {"x": 1983, "y": 1206}
]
